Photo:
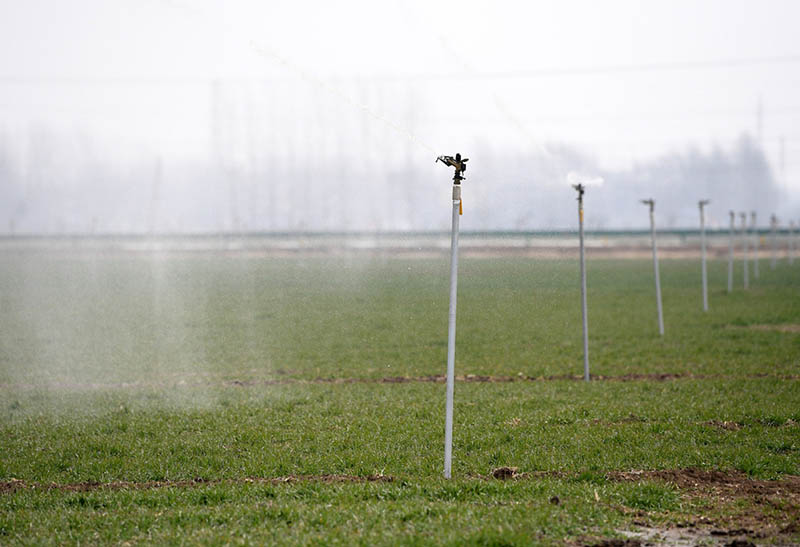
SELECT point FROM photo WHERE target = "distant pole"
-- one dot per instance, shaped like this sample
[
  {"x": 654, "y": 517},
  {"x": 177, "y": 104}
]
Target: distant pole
[
  {"x": 580, "y": 188},
  {"x": 730, "y": 251},
  {"x": 460, "y": 167},
  {"x": 791, "y": 242},
  {"x": 702, "y": 204},
  {"x": 745, "y": 267},
  {"x": 754, "y": 230},
  {"x": 773, "y": 221},
  {"x": 652, "y": 204}
]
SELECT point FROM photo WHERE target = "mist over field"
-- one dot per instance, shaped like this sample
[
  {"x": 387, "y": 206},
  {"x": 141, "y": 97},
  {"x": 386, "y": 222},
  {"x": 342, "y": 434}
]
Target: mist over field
[{"x": 61, "y": 184}]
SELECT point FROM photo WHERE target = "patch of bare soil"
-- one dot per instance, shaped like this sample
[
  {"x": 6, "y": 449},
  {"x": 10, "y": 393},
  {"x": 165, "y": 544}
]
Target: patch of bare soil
[
  {"x": 727, "y": 483},
  {"x": 727, "y": 425},
  {"x": 686, "y": 537},
  {"x": 772, "y": 509},
  {"x": 14, "y": 485},
  {"x": 616, "y": 543},
  {"x": 733, "y": 484},
  {"x": 504, "y": 473}
]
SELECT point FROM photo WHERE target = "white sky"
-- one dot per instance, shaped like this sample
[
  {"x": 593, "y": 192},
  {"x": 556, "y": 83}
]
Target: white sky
[{"x": 137, "y": 74}]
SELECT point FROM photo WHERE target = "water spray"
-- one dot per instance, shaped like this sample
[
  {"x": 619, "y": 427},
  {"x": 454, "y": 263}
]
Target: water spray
[
  {"x": 791, "y": 242},
  {"x": 701, "y": 204},
  {"x": 745, "y": 267},
  {"x": 773, "y": 222},
  {"x": 730, "y": 251},
  {"x": 652, "y": 205},
  {"x": 754, "y": 229},
  {"x": 460, "y": 165},
  {"x": 580, "y": 186}
]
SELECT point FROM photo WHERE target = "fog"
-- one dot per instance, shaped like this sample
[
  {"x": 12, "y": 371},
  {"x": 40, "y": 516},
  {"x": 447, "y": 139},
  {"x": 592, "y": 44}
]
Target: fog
[
  {"x": 208, "y": 117},
  {"x": 62, "y": 184}
]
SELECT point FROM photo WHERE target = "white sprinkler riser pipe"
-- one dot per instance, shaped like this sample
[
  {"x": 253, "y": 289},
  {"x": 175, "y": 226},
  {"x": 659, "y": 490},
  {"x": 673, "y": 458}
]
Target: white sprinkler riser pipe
[
  {"x": 584, "y": 313},
  {"x": 754, "y": 229},
  {"x": 655, "y": 269},
  {"x": 745, "y": 266},
  {"x": 774, "y": 257},
  {"x": 451, "y": 336},
  {"x": 703, "y": 255},
  {"x": 730, "y": 253}
]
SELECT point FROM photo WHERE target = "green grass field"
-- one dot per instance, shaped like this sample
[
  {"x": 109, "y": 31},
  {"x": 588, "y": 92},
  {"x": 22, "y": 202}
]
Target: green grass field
[{"x": 232, "y": 399}]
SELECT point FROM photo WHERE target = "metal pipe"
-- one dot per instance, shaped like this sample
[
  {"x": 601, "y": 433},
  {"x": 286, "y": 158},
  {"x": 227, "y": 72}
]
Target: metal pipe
[
  {"x": 652, "y": 204},
  {"x": 773, "y": 221},
  {"x": 745, "y": 267},
  {"x": 584, "y": 314},
  {"x": 702, "y": 204},
  {"x": 451, "y": 336},
  {"x": 460, "y": 165},
  {"x": 730, "y": 252},
  {"x": 754, "y": 230}
]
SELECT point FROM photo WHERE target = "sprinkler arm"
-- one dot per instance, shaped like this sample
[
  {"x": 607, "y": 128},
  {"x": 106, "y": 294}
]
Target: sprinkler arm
[
  {"x": 459, "y": 164},
  {"x": 649, "y": 202}
]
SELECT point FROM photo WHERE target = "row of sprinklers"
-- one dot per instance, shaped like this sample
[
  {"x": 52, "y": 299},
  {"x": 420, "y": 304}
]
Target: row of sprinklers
[
  {"x": 580, "y": 184},
  {"x": 746, "y": 236}
]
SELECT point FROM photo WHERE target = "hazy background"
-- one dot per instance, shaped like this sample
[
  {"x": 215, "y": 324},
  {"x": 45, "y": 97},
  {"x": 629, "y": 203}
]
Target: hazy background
[{"x": 160, "y": 116}]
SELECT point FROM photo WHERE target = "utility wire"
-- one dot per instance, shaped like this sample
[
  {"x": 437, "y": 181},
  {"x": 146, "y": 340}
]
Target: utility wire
[
  {"x": 608, "y": 69},
  {"x": 10, "y": 79}
]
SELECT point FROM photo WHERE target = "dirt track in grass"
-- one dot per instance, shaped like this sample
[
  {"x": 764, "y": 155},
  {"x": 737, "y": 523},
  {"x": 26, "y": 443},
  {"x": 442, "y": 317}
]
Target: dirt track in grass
[
  {"x": 477, "y": 378},
  {"x": 15, "y": 485},
  {"x": 203, "y": 380},
  {"x": 697, "y": 481}
]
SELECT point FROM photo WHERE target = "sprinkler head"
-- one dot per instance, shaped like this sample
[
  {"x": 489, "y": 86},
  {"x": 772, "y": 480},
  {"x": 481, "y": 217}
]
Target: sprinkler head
[
  {"x": 651, "y": 202},
  {"x": 459, "y": 164},
  {"x": 703, "y": 202}
]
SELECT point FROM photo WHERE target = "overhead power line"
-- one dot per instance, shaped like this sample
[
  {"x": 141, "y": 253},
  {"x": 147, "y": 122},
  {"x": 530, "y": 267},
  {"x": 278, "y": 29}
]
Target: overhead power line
[
  {"x": 549, "y": 72},
  {"x": 545, "y": 72},
  {"x": 612, "y": 69}
]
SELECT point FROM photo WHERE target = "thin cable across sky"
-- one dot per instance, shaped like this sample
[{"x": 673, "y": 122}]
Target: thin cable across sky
[{"x": 20, "y": 79}]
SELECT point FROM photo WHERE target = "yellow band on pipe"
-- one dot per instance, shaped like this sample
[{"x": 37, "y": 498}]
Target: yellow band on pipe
[{"x": 461, "y": 207}]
